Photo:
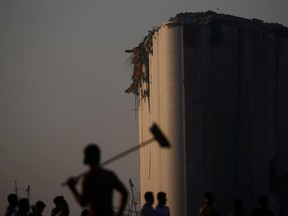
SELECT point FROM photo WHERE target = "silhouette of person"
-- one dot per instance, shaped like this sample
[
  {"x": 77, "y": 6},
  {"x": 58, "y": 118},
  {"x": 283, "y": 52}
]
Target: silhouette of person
[
  {"x": 263, "y": 210},
  {"x": 12, "y": 204},
  {"x": 64, "y": 209},
  {"x": 23, "y": 208},
  {"x": 238, "y": 208},
  {"x": 161, "y": 209},
  {"x": 97, "y": 186},
  {"x": 147, "y": 209},
  {"x": 208, "y": 209},
  {"x": 58, "y": 200},
  {"x": 38, "y": 209}
]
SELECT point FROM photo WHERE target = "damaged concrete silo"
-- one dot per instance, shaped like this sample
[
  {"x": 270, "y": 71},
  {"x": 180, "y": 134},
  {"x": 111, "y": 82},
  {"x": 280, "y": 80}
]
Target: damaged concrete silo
[{"x": 216, "y": 84}]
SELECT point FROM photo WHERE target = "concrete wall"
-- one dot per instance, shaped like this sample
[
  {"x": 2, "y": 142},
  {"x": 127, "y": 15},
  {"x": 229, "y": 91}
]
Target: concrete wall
[
  {"x": 219, "y": 93},
  {"x": 163, "y": 170},
  {"x": 235, "y": 114}
]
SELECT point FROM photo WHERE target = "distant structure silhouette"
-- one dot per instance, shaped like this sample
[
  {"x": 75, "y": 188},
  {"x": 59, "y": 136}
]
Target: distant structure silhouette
[
  {"x": 208, "y": 209},
  {"x": 12, "y": 204},
  {"x": 58, "y": 200},
  {"x": 147, "y": 209},
  {"x": 97, "y": 186},
  {"x": 263, "y": 210},
  {"x": 161, "y": 209}
]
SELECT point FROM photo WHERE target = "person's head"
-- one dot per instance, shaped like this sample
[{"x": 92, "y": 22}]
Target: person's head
[
  {"x": 58, "y": 200},
  {"x": 92, "y": 155},
  {"x": 161, "y": 196},
  {"x": 149, "y": 197},
  {"x": 12, "y": 199},
  {"x": 23, "y": 206},
  {"x": 208, "y": 198},
  {"x": 40, "y": 206}
]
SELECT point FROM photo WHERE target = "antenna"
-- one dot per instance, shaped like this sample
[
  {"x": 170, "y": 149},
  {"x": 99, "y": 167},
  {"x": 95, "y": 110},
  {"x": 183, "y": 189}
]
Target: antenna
[
  {"x": 134, "y": 203},
  {"x": 28, "y": 192},
  {"x": 16, "y": 188}
]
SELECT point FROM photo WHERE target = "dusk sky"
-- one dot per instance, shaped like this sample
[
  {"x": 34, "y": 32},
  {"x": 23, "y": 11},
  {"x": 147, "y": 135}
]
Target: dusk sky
[{"x": 63, "y": 73}]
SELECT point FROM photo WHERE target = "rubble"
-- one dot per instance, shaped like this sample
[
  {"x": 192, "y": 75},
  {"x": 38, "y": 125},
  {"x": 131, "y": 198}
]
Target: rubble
[{"x": 140, "y": 54}]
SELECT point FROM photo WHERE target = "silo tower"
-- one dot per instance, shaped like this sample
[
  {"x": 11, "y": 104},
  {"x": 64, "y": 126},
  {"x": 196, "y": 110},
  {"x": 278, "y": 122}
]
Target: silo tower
[{"x": 216, "y": 85}]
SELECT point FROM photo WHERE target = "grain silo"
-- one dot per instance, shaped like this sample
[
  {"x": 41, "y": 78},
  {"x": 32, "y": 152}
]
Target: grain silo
[{"x": 216, "y": 84}]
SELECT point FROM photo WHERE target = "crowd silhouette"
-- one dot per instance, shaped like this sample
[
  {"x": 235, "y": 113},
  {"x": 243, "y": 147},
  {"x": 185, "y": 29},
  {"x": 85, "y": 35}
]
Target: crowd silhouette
[
  {"x": 22, "y": 207},
  {"x": 238, "y": 209},
  {"x": 96, "y": 196},
  {"x": 161, "y": 208},
  {"x": 208, "y": 208}
]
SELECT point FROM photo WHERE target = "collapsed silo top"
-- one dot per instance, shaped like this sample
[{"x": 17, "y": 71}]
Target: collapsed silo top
[
  {"x": 210, "y": 17},
  {"x": 140, "y": 54}
]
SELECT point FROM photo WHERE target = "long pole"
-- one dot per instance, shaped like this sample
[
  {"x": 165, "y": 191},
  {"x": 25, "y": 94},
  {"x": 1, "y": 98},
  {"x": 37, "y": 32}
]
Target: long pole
[
  {"x": 127, "y": 152},
  {"x": 28, "y": 192},
  {"x": 133, "y": 197},
  {"x": 77, "y": 178},
  {"x": 158, "y": 136},
  {"x": 16, "y": 188}
]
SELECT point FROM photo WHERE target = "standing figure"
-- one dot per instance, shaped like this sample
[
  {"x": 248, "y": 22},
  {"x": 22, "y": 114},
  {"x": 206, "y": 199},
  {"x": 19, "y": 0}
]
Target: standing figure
[
  {"x": 12, "y": 206},
  {"x": 97, "y": 186},
  {"x": 58, "y": 200},
  {"x": 147, "y": 209},
  {"x": 161, "y": 209},
  {"x": 38, "y": 209},
  {"x": 208, "y": 209},
  {"x": 64, "y": 209}
]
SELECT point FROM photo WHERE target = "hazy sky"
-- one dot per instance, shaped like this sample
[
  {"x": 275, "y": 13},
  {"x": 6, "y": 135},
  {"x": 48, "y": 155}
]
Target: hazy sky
[{"x": 63, "y": 72}]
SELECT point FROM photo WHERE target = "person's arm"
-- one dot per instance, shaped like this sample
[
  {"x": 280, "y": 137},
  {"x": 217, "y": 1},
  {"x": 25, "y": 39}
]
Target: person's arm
[
  {"x": 72, "y": 186},
  {"x": 123, "y": 195},
  {"x": 123, "y": 202}
]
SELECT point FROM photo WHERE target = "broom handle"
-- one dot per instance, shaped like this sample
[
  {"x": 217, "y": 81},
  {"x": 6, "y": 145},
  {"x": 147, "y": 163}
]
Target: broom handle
[{"x": 116, "y": 157}]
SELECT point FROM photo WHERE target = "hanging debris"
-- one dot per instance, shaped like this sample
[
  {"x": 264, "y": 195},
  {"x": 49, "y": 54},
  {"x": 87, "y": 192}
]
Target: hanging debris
[{"x": 140, "y": 60}]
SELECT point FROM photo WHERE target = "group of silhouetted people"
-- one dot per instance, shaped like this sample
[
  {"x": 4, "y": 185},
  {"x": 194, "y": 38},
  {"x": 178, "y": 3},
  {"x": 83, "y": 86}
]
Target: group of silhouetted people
[
  {"x": 208, "y": 209},
  {"x": 22, "y": 207},
  {"x": 96, "y": 196},
  {"x": 160, "y": 210}
]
